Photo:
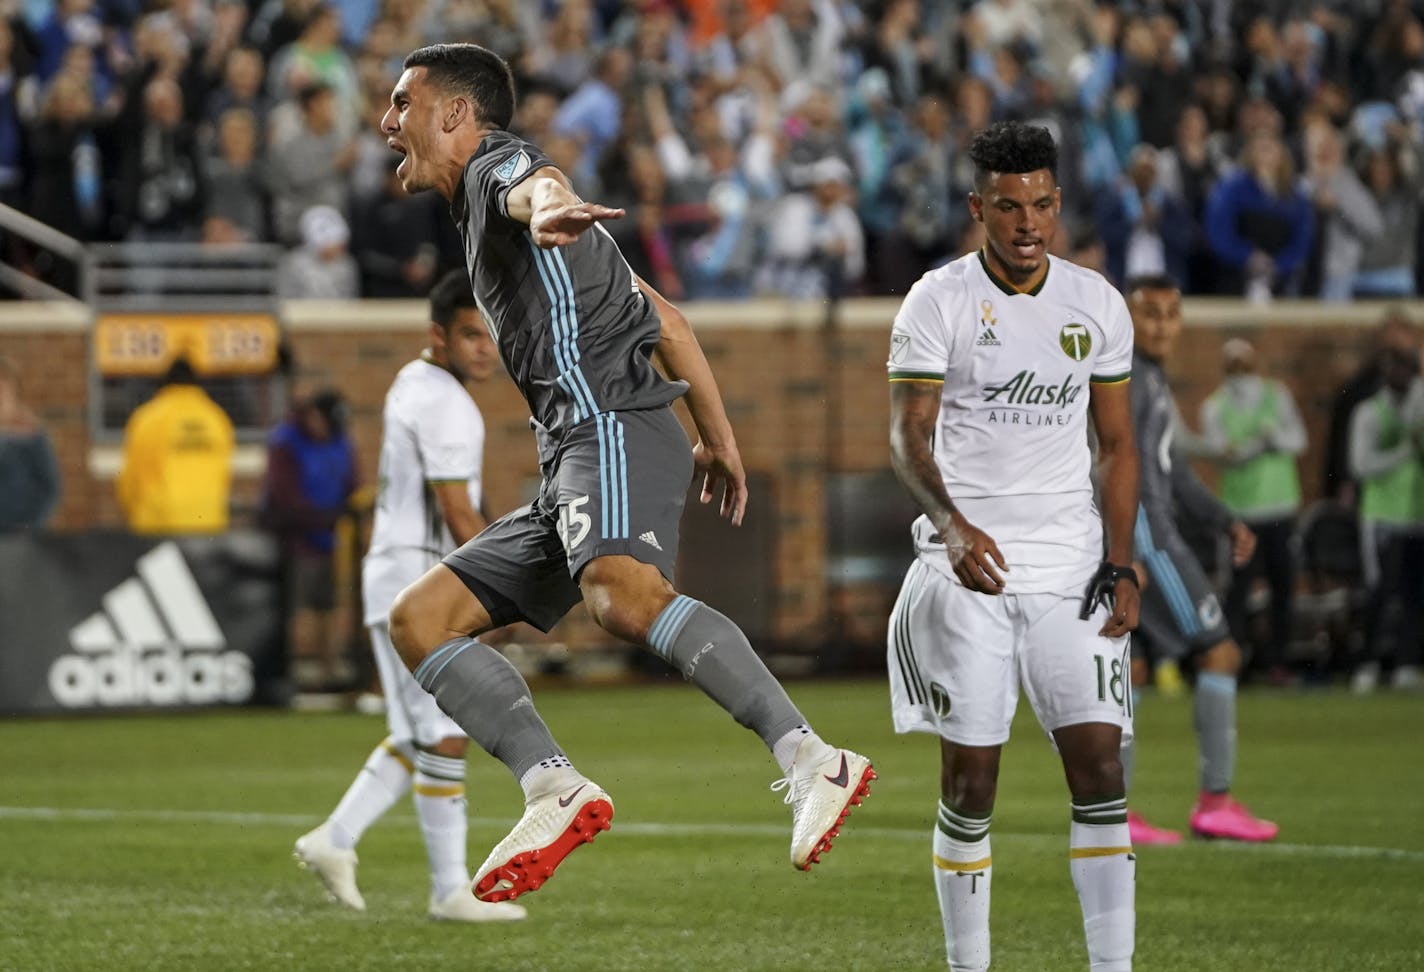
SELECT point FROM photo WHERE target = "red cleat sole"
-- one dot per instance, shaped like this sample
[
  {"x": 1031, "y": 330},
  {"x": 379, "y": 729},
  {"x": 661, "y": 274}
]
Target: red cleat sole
[
  {"x": 862, "y": 790},
  {"x": 528, "y": 871}
]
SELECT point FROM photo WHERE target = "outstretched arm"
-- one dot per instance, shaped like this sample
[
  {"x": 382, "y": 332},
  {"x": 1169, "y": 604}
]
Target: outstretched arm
[
  {"x": 716, "y": 455},
  {"x": 555, "y": 214}
]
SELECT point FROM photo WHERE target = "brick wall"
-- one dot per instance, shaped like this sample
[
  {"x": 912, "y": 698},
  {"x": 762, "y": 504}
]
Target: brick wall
[{"x": 780, "y": 371}]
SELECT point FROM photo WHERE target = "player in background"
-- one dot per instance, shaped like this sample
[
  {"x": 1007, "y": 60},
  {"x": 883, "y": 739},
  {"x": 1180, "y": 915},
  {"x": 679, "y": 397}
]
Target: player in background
[
  {"x": 576, "y": 330},
  {"x": 997, "y": 360},
  {"x": 1180, "y": 611},
  {"x": 432, "y": 454}
]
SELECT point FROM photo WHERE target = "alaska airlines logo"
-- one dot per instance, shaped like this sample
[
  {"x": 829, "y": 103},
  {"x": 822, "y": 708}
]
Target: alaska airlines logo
[{"x": 1024, "y": 389}]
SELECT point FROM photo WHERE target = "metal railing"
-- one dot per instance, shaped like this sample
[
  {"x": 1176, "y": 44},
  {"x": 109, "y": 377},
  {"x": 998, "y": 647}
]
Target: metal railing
[{"x": 43, "y": 237}]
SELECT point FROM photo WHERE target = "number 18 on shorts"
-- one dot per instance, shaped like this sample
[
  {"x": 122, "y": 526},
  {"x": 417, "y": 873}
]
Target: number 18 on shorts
[{"x": 957, "y": 659}]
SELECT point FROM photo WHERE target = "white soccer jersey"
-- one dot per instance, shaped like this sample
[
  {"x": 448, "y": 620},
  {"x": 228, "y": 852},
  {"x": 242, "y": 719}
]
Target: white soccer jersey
[
  {"x": 432, "y": 432},
  {"x": 1012, "y": 442}
]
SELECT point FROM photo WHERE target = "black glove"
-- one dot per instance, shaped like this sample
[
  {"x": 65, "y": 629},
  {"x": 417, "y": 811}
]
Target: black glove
[{"x": 1103, "y": 586}]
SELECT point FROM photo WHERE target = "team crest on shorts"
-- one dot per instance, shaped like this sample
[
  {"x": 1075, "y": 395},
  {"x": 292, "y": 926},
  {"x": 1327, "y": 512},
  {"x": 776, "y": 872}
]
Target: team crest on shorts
[
  {"x": 939, "y": 699},
  {"x": 1075, "y": 340}
]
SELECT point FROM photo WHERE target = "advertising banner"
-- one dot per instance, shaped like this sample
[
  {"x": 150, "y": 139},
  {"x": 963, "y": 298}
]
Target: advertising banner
[{"x": 110, "y": 621}]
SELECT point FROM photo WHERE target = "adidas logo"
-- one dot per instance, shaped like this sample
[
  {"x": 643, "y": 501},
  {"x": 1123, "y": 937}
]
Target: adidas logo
[
  {"x": 986, "y": 337},
  {"x": 154, "y": 642},
  {"x": 650, "y": 540}
]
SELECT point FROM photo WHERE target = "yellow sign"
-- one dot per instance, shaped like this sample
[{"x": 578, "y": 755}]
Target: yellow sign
[{"x": 215, "y": 344}]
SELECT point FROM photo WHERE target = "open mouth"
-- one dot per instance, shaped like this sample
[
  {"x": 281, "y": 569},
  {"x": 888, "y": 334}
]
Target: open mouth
[{"x": 1027, "y": 249}]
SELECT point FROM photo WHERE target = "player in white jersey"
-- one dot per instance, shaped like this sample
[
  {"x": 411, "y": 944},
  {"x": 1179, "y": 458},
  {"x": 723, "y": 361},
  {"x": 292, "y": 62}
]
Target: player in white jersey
[
  {"x": 432, "y": 450},
  {"x": 996, "y": 362}
]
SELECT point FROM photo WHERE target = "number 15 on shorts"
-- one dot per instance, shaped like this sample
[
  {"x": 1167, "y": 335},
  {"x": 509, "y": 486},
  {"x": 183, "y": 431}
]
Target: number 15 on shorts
[{"x": 574, "y": 524}]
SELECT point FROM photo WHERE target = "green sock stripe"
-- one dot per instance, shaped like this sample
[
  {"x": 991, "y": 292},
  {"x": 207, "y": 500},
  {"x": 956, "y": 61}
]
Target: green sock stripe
[
  {"x": 961, "y": 825},
  {"x": 1103, "y": 810}
]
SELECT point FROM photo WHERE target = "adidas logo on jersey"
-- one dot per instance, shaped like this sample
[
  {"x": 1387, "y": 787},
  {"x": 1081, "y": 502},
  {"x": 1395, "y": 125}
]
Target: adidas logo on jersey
[
  {"x": 650, "y": 540},
  {"x": 986, "y": 338},
  {"x": 154, "y": 642}
]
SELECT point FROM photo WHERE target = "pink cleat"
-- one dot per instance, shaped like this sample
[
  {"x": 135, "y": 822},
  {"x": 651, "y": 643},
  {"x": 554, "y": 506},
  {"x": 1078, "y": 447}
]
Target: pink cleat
[
  {"x": 1217, "y": 815},
  {"x": 1143, "y": 832}
]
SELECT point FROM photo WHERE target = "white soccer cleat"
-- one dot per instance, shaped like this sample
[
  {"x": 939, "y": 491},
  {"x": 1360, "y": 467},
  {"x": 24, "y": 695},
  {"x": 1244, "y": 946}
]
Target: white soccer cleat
[
  {"x": 335, "y": 868},
  {"x": 462, "y": 905},
  {"x": 822, "y": 787},
  {"x": 555, "y": 823}
]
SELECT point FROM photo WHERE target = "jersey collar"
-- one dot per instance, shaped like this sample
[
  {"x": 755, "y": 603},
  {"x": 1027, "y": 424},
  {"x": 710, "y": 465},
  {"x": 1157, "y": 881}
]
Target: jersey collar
[{"x": 1009, "y": 288}]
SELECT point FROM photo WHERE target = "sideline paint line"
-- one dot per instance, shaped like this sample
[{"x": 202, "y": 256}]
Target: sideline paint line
[{"x": 653, "y": 829}]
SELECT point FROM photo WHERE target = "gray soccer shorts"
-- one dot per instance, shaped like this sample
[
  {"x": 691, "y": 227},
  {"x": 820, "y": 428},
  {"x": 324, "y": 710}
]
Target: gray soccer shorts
[
  {"x": 615, "y": 485},
  {"x": 1180, "y": 612}
]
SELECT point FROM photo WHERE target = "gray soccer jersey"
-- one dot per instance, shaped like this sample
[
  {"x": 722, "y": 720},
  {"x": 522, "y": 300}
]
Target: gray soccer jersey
[
  {"x": 573, "y": 329},
  {"x": 1180, "y": 611}
]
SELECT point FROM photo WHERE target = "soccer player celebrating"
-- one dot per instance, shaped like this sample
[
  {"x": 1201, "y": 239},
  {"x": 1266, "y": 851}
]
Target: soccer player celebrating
[
  {"x": 432, "y": 455},
  {"x": 576, "y": 329},
  {"x": 996, "y": 361},
  {"x": 1180, "y": 611}
]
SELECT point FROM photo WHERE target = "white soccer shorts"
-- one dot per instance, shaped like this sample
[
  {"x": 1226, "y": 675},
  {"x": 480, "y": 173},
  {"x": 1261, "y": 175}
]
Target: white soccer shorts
[
  {"x": 411, "y": 712},
  {"x": 957, "y": 657}
]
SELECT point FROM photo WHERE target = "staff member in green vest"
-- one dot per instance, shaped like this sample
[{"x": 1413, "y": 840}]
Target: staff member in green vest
[
  {"x": 1385, "y": 457},
  {"x": 1253, "y": 430}
]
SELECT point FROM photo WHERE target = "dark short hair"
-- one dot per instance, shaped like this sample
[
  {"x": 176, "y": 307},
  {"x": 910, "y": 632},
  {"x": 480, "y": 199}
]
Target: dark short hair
[
  {"x": 473, "y": 71},
  {"x": 1012, "y": 147},
  {"x": 1149, "y": 281},
  {"x": 180, "y": 372},
  {"x": 311, "y": 91},
  {"x": 451, "y": 294}
]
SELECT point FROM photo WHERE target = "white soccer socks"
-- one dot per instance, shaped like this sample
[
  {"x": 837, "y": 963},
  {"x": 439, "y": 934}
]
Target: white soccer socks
[
  {"x": 440, "y": 807},
  {"x": 963, "y": 873},
  {"x": 1104, "y": 872},
  {"x": 382, "y": 781}
]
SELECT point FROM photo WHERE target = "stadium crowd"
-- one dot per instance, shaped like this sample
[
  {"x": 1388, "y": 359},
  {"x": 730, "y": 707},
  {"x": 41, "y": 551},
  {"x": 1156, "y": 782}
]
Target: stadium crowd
[{"x": 799, "y": 147}]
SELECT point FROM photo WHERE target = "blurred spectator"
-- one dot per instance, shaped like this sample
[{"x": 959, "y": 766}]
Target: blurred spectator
[
  {"x": 1164, "y": 83},
  {"x": 306, "y": 168},
  {"x": 29, "y": 473},
  {"x": 393, "y": 243},
  {"x": 311, "y": 474},
  {"x": 316, "y": 58},
  {"x": 162, "y": 194},
  {"x": 564, "y": 53},
  {"x": 12, "y": 130},
  {"x": 322, "y": 268},
  {"x": 177, "y": 460},
  {"x": 645, "y": 236},
  {"x": 66, "y": 181},
  {"x": 240, "y": 88},
  {"x": 897, "y": 51},
  {"x": 593, "y": 114},
  {"x": 813, "y": 131},
  {"x": 1259, "y": 223},
  {"x": 1251, "y": 427},
  {"x": 1147, "y": 230},
  {"x": 923, "y": 181},
  {"x": 237, "y": 179},
  {"x": 816, "y": 248},
  {"x": 1385, "y": 457},
  {"x": 801, "y": 41},
  {"x": 1394, "y": 180},
  {"x": 1394, "y": 334},
  {"x": 1347, "y": 217},
  {"x": 1187, "y": 170}
]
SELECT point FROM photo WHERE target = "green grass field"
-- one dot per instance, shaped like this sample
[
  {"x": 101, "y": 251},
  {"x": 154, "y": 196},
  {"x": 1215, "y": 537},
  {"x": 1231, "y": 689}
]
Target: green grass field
[{"x": 163, "y": 843}]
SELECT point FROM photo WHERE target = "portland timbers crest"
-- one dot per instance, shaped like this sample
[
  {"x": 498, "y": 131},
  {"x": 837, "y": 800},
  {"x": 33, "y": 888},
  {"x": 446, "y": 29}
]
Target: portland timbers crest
[
  {"x": 1075, "y": 340},
  {"x": 939, "y": 698}
]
